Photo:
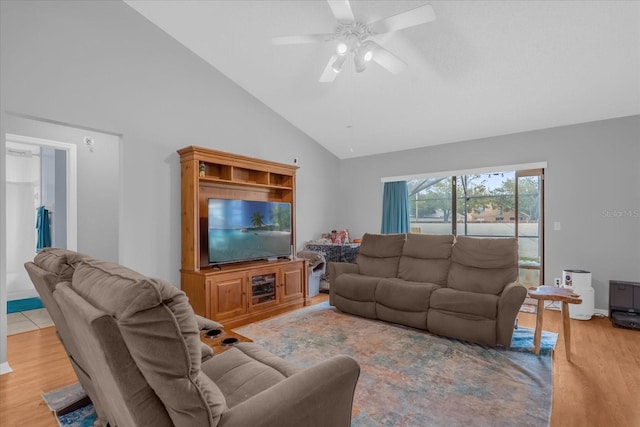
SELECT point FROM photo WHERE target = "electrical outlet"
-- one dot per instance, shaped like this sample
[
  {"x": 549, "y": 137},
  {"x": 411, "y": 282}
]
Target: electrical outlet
[{"x": 557, "y": 281}]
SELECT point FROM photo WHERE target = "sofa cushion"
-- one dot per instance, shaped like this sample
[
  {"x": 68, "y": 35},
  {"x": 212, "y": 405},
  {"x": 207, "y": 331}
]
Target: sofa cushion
[
  {"x": 382, "y": 245},
  {"x": 160, "y": 330},
  {"x": 379, "y": 254},
  {"x": 501, "y": 252},
  {"x": 426, "y": 258},
  {"x": 428, "y": 246},
  {"x": 403, "y": 302},
  {"x": 403, "y": 295},
  {"x": 466, "y": 327},
  {"x": 483, "y": 265},
  {"x": 359, "y": 308},
  {"x": 454, "y": 301},
  {"x": 356, "y": 287},
  {"x": 246, "y": 370}
]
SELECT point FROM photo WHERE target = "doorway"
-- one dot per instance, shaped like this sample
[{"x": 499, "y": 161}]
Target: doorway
[{"x": 39, "y": 173}]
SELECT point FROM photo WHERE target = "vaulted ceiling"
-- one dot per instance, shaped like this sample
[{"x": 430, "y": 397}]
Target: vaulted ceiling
[{"x": 481, "y": 69}]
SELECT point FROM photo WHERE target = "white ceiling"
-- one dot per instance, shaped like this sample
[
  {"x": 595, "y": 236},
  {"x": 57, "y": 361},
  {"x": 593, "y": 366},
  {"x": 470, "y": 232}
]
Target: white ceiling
[{"x": 481, "y": 69}]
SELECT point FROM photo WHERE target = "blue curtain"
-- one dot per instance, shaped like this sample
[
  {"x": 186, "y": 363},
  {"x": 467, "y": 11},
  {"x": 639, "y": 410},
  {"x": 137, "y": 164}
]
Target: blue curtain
[{"x": 395, "y": 208}]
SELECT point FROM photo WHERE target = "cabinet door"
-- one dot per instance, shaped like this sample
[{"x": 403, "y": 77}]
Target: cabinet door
[
  {"x": 291, "y": 285},
  {"x": 262, "y": 289},
  {"x": 228, "y": 295}
]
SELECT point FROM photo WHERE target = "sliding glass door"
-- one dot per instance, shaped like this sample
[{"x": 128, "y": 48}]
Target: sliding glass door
[
  {"x": 530, "y": 225},
  {"x": 502, "y": 204}
]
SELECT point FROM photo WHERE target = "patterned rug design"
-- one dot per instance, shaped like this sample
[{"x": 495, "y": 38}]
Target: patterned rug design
[
  {"x": 69, "y": 406},
  {"x": 412, "y": 378}
]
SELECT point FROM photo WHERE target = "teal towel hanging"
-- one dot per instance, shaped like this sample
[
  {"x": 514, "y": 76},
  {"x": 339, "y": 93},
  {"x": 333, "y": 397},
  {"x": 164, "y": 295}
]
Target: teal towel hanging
[{"x": 42, "y": 226}]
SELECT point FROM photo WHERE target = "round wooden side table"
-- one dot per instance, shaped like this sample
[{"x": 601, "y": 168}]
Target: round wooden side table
[{"x": 552, "y": 293}]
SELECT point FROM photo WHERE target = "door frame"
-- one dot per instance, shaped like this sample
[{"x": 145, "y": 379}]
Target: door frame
[{"x": 72, "y": 180}]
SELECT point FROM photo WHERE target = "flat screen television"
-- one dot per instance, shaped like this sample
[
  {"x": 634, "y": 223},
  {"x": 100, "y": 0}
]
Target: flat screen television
[{"x": 244, "y": 230}]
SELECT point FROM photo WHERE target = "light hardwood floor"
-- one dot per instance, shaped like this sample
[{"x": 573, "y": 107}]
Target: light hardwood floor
[{"x": 599, "y": 387}]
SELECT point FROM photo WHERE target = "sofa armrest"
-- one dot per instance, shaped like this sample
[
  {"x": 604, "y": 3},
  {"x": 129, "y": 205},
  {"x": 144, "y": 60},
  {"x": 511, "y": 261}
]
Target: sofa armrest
[
  {"x": 338, "y": 268},
  {"x": 321, "y": 395},
  {"x": 510, "y": 302},
  {"x": 204, "y": 323},
  {"x": 335, "y": 269},
  {"x": 207, "y": 352}
]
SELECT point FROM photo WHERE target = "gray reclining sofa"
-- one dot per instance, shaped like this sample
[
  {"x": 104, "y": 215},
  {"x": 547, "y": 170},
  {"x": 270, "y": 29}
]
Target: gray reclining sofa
[{"x": 465, "y": 288}]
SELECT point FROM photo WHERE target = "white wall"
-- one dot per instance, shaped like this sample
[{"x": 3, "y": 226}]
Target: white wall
[
  {"x": 592, "y": 187},
  {"x": 98, "y": 181}
]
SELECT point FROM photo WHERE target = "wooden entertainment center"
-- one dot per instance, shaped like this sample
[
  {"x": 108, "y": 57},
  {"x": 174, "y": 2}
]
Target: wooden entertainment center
[{"x": 236, "y": 293}]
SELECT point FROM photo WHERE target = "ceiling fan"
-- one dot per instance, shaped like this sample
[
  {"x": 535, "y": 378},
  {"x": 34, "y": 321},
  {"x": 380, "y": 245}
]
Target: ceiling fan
[{"x": 353, "y": 38}]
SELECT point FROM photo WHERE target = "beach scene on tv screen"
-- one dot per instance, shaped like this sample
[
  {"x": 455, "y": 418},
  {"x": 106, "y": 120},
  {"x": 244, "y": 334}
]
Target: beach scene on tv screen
[{"x": 245, "y": 230}]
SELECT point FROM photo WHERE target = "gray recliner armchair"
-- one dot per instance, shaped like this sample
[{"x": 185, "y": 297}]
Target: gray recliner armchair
[
  {"x": 141, "y": 341},
  {"x": 52, "y": 266}
]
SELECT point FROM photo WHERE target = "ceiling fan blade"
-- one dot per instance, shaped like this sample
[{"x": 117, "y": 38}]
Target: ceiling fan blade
[
  {"x": 341, "y": 10},
  {"x": 329, "y": 74},
  {"x": 308, "y": 38},
  {"x": 387, "y": 60},
  {"x": 420, "y": 15}
]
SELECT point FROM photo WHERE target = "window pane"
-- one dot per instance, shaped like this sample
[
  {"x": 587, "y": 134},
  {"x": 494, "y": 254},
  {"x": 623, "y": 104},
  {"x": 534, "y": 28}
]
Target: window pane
[
  {"x": 529, "y": 277},
  {"x": 430, "y": 205},
  {"x": 486, "y": 205}
]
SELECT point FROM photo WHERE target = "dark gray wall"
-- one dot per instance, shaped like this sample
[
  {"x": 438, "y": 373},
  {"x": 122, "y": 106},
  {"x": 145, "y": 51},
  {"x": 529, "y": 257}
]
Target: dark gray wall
[{"x": 592, "y": 186}]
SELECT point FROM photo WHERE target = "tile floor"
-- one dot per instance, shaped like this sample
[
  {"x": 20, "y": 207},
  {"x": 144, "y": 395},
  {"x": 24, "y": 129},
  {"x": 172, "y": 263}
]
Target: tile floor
[{"x": 25, "y": 321}]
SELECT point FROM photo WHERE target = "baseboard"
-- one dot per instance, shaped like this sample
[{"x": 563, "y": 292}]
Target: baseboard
[
  {"x": 604, "y": 313},
  {"x": 5, "y": 368},
  {"x": 555, "y": 305}
]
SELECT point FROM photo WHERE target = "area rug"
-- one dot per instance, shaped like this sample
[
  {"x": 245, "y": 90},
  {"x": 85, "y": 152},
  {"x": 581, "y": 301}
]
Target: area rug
[
  {"x": 71, "y": 406},
  {"x": 412, "y": 378},
  {"x": 529, "y": 308}
]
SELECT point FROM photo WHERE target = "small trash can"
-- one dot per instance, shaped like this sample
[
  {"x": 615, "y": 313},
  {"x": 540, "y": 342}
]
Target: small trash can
[{"x": 317, "y": 268}]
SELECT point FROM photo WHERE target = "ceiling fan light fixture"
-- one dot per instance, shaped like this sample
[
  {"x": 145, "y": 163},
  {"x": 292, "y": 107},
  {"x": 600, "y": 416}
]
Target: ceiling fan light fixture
[
  {"x": 352, "y": 38},
  {"x": 366, "y": 51},
  {"x": 342, "y": 49},
  {"x": 359, "y": 63},
  {"x": 338, "y": 63},
  {"x": 362, "y": 55}
]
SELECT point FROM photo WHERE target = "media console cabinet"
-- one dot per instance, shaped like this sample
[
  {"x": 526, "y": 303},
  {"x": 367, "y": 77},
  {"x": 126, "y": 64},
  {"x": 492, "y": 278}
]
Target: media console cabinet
[{"x": 238, "y": 293}]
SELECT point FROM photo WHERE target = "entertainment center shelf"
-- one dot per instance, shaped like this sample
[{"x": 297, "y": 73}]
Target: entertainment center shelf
[
  {"x": 229, "y": 174},
  {"x": 249, "y": 183},
  {"x": 239, "y": 292}
]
